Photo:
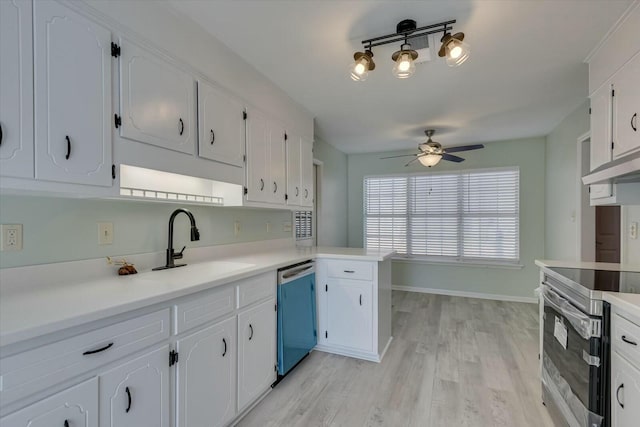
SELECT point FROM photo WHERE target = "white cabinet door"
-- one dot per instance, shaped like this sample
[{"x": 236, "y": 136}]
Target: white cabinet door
[
  {"x": 306, "y": 172},
  {"x": 349, "y": 317},
  {"x": 600, "y": 191},
  {"x": 626, "y": 126},
  {"x": 221, "y": 126},
  {"x": 294, "y": 182},
  {"x": 206, "y": 390},
  {"x": 258, "y": 157},
  {"x": 16, "y": 89},
  {"x": 625, "y": 392},
  {"x": 74, "y": 407},
  {"x": 256, "y": 352},
  {"x": 72, "y": 63},
  {"x": 601, "y": 132},
  {"x": 136, "y": 393},
  {"x": 157, "y": 100},
  {"x": 278, "y": 183}
]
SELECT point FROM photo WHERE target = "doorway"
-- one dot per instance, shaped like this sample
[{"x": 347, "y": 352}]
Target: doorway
[{"x": 608, "y": 234}]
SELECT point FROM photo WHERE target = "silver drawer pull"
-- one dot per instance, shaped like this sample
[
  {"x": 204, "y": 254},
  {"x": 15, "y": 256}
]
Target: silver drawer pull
[
  {"x": 628, "y": 341},
  {"x": 349, "y": 271}
]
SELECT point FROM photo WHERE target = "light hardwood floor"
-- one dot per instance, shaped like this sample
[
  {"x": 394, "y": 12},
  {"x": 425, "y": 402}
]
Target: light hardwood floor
[{"x": 453, "y": 362}]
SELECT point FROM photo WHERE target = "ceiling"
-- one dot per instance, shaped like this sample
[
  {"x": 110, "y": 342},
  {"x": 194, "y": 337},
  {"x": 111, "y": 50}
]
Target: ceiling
[{"x": 525, "y": 74}]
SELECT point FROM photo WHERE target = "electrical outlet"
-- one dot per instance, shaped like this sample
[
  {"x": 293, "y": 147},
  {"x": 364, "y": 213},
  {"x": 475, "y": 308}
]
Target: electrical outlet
[
  {"x": 286, "y": 227},
  {"x": 633, "y": 230},
  {"x": 11, "y": 237},
  {"x": 236, "y": 228},
  {"x": 105, "y": 233}
]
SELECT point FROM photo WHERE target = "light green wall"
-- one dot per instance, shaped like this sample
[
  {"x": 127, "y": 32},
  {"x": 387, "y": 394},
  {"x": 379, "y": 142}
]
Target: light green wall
[
  {"x": 56, "y": 229},
  {"x": 529, "y": 155},
  {"x": 561, "y": 201},
  {"x": 332, "y": 216}
]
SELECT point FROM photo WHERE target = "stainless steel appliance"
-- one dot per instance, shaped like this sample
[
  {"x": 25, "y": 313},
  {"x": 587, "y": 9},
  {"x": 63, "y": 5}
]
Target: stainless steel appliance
[
  {"x": 297, "y": 334},
  {"x": 575, "y": 364}
]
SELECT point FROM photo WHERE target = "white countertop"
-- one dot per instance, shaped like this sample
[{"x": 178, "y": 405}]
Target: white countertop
[
  {"x": 627, "y": 302},
  {"x": 35, "y": 308}
]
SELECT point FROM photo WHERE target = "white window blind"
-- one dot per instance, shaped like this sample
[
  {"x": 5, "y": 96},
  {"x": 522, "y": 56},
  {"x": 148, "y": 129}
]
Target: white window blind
[{"x": 467, "y": 215}]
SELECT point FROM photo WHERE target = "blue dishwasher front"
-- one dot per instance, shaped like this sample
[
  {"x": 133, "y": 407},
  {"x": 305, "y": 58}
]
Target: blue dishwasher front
[{"x": 297, "y": 334}]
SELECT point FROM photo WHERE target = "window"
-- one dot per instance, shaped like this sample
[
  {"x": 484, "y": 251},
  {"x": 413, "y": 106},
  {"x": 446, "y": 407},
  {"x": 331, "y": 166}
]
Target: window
[{"x": 465, "y": 216}]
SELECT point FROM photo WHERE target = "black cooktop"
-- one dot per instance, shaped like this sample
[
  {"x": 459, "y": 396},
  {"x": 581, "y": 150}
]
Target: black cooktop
[{"x": 603, "y": 280}]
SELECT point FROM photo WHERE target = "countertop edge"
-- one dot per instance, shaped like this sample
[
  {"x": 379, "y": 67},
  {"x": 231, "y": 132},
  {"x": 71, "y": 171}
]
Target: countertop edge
[{"x": 22, "y": 335}]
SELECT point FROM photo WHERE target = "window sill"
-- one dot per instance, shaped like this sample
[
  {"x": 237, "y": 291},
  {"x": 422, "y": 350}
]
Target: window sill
[{"x": 457, "y": 263}]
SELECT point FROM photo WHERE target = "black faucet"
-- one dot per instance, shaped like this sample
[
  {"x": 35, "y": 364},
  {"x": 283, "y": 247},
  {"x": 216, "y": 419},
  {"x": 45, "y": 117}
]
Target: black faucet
[{"x": 195, "y": 235}]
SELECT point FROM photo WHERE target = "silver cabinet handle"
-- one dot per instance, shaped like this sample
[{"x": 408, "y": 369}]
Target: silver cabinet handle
[
  {"x": 628, "y": 341},
  {"x": 634, "y": 120},
  {"x": 306, "y": 193},
  {"x": 620, "y": 387},
  {"x": 181, "y": 127},
  {"x": 251, "y": 328},
  {"x": 349, "y": 271},
  {"x": 261, "y": 184},
  {"x": 213, "y": 137},
  {"x": 275, "y": 186},
  {"x": 297, "y": 191}
]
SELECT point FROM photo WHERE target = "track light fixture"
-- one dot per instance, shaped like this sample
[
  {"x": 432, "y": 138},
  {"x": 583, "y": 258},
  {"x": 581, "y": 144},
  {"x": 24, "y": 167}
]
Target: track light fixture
[
  {"x": 453, "y": 48},
  {"x": 362, "y": 65}
]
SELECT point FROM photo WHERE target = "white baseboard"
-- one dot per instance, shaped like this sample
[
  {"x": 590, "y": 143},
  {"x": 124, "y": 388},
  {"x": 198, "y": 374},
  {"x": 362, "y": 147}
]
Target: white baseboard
[
  {"x": 371, "y": 357},
  {"x": 530, "y": 300}
]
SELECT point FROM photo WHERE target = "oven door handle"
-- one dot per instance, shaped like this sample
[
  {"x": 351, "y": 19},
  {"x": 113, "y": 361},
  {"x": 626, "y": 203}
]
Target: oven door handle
[{"x": 586, "y": 326}]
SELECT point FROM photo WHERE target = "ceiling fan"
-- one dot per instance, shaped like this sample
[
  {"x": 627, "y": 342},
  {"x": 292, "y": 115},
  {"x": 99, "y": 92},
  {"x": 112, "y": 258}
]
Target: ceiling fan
[{"x": 431, "y": 152}]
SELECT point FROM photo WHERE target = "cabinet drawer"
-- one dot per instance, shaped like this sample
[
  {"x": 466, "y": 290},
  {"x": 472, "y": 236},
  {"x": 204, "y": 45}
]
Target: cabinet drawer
[
  {"x": 205, "y": 307},
  {"x": 626, "y": 338},
  {"x": 256, "y": 288},
  {"x": 358, "y": 270},
  {"x": 31, "y": 371}
]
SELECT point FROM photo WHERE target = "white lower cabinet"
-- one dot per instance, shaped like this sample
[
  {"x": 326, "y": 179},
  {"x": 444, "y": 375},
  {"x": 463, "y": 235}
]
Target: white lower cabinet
[
  {"x": 136, "y": 393},
  {"x": 74, "y": 407},
  {"x": 625, "y": 392},
  {"x": 206, "y": 377},
  {"x": 256, "y": 352},
  {"x": 349, "y": 313}
]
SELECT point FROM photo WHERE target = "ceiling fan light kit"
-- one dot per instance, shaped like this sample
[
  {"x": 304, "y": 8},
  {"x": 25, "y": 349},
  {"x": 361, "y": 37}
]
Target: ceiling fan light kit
[
  {"x": 453, "y": 49},
  {"x": 431, "y": 152}
]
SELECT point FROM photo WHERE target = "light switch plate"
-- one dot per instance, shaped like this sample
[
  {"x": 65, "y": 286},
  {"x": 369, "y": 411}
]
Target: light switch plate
[
  {"x": 11, "y": 236},
  {"x": 105, "y": 233}
]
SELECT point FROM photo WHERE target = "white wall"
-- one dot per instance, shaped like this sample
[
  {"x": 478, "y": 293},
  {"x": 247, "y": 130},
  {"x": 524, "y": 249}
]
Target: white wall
[
  {"x": 630, "y": 247},
  {"x": 561, "y": 181},
  {"x": 332, "y": 216}
]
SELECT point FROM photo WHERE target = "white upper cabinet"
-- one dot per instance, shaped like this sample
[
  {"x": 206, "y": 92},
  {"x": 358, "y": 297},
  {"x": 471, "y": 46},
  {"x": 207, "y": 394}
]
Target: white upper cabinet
[
  {"x": 136, "y": 393},
  {"x": 258, "y": 157},
  {"x": 266, "y": 155},
  {"x": 626, "y": 109},
  {"x": 221, "y": 126},
  {"x": 16, "y": 89},
  {"x": 278, "y": 168},
  {"x": 156, "y": 100},
  {"x": 601, "y": 132},
  {"x": 306, "y": 173},
  {"x": 294, "y": 183},
  {"x": 256, "y": 352},
  {"x": 72, "y": 63}
]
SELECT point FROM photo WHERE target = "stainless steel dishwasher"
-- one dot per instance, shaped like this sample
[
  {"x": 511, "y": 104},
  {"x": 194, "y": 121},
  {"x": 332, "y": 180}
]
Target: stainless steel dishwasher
[{"x": 297, "y": 334}]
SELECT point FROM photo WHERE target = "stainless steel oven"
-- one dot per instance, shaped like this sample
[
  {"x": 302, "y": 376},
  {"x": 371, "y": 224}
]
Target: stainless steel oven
[{"x": 575, "y": 362}]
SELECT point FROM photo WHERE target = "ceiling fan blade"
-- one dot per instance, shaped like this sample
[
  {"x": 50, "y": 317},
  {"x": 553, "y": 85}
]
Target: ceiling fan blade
[
  {"x": 403, "y": 155},
  {"x": 452, "y": 158},
  {"x": 417, "y": 156},
  {"x": 463, "y": 148}
]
